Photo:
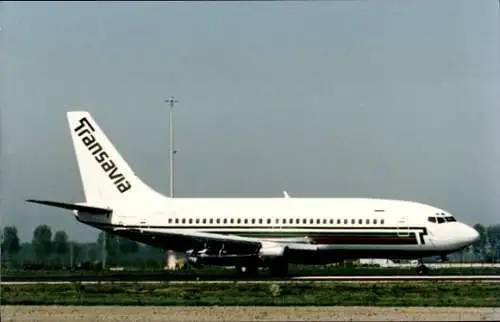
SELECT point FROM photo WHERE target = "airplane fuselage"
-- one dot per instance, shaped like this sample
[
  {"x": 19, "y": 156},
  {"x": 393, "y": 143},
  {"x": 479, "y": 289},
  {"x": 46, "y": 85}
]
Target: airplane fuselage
[{"x": 339, "y": 228}]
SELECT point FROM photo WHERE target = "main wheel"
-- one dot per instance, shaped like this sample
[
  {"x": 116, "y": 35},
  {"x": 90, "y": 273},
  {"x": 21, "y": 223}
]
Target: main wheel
[
  {"x": 247, "y": 271},
  {"x": 279, "y": 269}
]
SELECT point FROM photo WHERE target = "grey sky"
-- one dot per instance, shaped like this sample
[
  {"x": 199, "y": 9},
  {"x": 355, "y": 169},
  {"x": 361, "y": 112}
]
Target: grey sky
[{"x": 393, "y": 99}]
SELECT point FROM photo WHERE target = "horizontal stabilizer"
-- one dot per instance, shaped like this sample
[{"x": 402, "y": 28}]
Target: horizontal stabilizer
[{"x": 72, "y": 206}]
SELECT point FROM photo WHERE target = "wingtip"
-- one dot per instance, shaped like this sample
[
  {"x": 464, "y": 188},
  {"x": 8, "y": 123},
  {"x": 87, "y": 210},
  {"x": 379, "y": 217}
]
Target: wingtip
[{"x": 35, "y": 201}]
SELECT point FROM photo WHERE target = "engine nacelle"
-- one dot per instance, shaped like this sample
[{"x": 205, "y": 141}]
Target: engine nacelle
[{"x": 272, "y": 251}]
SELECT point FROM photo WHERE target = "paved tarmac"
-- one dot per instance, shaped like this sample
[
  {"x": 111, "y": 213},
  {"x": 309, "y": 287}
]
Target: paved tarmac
[
  {"x": 198, "y": 314},
  {"x": 492, "y": 278}
]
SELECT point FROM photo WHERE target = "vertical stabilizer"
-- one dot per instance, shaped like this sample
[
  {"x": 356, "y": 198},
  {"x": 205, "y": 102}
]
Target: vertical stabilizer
[{"x": 105, "y": 176}]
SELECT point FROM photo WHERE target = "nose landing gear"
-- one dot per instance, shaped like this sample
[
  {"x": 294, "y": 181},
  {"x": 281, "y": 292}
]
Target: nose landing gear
[{"x": 421, "y": 268}]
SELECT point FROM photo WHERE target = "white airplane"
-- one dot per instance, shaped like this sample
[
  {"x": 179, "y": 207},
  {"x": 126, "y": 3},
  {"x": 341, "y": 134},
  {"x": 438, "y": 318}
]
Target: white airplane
[{"x": 249, "y": 233}]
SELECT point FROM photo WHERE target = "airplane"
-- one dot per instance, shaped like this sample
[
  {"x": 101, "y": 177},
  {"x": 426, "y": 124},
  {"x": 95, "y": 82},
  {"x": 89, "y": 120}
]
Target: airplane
[{"x": 252, "y": 233}]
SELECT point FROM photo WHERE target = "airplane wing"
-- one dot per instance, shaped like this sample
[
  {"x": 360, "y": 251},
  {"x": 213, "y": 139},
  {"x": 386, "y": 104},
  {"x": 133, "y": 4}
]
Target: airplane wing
[
  {"x": 229, "y": 238},
  {"x": 196, "y": 235}
]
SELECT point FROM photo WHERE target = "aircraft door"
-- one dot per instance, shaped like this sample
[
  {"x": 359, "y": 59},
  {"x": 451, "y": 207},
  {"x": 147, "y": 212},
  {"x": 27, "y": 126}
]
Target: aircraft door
[
  {"x": 403, "y": 230},
  {"x": 430, "y": 238}
]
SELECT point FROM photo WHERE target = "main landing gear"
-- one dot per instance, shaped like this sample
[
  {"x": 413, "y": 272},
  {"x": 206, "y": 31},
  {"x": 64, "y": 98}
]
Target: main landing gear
[
  {"x": 421, "y": 268},
  {"x": 279, "y": 268}
]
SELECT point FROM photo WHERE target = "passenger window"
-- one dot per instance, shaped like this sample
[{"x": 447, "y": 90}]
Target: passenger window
[
  {"x": 360, "y": 221},
  {"x": 440, "y": 220},
  {"x": 283, "y": 221},
  {"x": 332, "y": 221},
  {"x": 176, "y": 220},
  {"x": 381, "y": 221},
  {"x": 268, "y": 221},
  {"x": 318, "y": 221},
  {"x": 183, "y": 220},
  {"x": 353, "y": 221},
  {"x": 231, "y": 220},
  {"x": 211, "y": 220},
  {"x": 217, "y": 220},
  {"x": 368, "y": 221},
  {"x": 345, "y": 221},
  {"x": 197, "y": 220},
  {"x": 260, "y": 220},
  {"x": 169, "y": 220},
  {"x": 253, "y": 220},
  {"x": 374, "y": 221},
  {"x": 297, "y": 221},
  {"x": 338, "y": 221},
  {"x": 190, "y": 220},
  {"x": 246, "y": 221},
  {"x": 304, "y": 221},
  {"x": 224, "y": 220}
]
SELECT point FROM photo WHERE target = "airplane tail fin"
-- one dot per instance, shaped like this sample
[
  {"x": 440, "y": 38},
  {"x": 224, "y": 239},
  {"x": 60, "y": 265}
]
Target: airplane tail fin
[{"x": 104, "y": 173}]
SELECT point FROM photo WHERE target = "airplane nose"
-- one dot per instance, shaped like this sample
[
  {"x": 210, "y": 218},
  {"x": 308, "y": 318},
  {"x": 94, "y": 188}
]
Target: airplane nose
[{"x": 471, "y": 235}]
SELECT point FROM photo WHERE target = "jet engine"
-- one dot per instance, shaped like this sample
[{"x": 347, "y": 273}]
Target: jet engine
[{"x": 272, "y": 251}]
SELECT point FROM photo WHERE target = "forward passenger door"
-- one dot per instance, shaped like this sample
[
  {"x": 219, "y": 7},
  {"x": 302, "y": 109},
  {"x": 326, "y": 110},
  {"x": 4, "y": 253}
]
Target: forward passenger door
[{"x": 403, "y": 230}]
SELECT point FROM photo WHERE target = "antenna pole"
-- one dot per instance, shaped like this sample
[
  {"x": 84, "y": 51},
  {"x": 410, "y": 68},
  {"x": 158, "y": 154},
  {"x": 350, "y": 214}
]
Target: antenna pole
[{"x": 171, "y": 259}]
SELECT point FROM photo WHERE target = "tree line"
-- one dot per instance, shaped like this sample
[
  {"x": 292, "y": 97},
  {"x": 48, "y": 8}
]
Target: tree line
[
  {"x": 57, "y": 250},
  {"x": 487, "y": 247},
  {"x": 48, "y": 249}
]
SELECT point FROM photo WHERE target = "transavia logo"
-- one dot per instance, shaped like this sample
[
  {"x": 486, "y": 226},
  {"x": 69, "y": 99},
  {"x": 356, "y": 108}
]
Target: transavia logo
[{"x": 85, "y": 130}]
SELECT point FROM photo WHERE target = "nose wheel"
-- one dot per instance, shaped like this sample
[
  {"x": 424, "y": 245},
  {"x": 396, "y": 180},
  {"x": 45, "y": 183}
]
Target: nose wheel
[{"x": 421, "y": 268}]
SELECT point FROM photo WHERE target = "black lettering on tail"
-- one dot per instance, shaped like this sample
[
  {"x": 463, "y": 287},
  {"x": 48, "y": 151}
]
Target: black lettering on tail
[{"x": 102, "y": 157}]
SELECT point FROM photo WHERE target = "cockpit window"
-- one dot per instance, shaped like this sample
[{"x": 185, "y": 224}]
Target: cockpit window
[
  {"x": 450, "y": 218},
  {"x": 440, "y": 220},
  {"x": 432, "y": 219}
]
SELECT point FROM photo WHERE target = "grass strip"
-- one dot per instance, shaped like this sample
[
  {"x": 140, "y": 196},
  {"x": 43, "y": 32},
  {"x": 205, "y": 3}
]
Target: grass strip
[{"x": 326, "y": 293}]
